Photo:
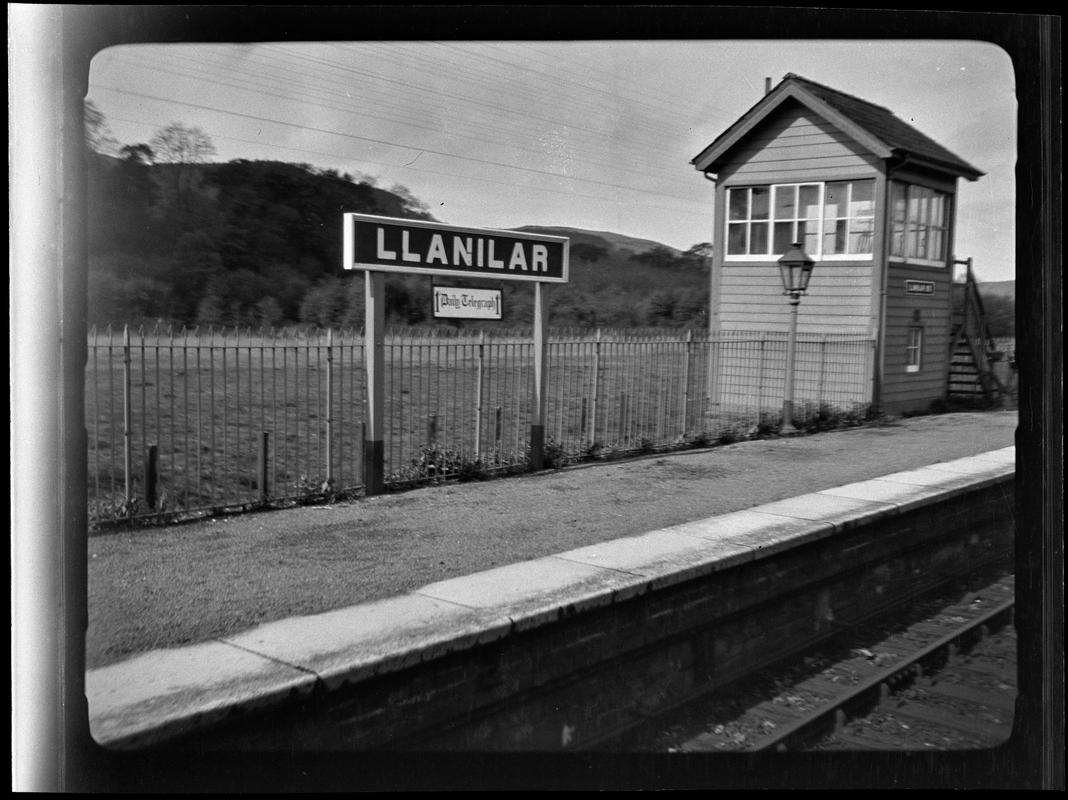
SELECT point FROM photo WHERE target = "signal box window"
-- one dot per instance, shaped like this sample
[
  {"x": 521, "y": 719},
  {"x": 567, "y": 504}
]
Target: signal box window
[
  {"x": 914, "y": 350},
  {"x": 834, "y": 219}
]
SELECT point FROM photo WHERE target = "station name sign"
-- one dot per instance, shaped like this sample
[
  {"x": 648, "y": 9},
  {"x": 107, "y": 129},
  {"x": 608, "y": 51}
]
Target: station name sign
[
  {"x": 400, "y": 245},
  {"x": 919, "y": 287}
]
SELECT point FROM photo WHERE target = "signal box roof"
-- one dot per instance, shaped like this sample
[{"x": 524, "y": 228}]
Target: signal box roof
[{"x": 872, "y": 126}]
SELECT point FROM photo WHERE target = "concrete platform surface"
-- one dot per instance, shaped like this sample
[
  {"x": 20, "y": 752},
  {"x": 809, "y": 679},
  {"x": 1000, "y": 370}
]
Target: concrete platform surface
[{"x": 155, "y": 695}]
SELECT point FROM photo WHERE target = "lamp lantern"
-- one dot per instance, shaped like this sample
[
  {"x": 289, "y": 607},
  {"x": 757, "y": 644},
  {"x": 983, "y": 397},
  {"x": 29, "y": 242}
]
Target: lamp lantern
[{"x": 795, "y": 268}]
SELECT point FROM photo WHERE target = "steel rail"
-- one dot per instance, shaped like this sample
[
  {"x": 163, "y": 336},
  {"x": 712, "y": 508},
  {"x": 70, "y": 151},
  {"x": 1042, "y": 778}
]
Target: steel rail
[{"x": 822, "y": 719}]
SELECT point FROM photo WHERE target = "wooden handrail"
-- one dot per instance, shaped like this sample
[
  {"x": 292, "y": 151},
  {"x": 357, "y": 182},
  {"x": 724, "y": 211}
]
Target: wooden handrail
[
  {"x": 976, "y": 330},
  {"x": 973, "y": 301}
]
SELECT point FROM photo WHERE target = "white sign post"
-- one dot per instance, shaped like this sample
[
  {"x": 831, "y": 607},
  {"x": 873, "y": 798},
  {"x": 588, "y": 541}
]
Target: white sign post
[
  {"x": 537, "y": 412},
  {"x": 384, "y": 244},
  {"x": 374, "y": 358}
]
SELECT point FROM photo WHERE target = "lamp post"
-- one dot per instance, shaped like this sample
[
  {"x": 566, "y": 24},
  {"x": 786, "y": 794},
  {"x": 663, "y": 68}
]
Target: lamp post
[{"x": 795, "y": 268}]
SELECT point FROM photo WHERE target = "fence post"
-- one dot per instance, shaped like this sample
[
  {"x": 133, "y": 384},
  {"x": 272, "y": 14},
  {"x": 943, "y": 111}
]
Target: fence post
[
  {"x": 623, "y": 417},
  {"x": 126, "y": 432},
  {"x": 478, "y": 395},
  {"x": 760, "y": 382},
  {"x": 686, "y": 382},
  {"x": 329, "y": 409},
  {"x": 596, "y": 387},
  {"x": 361, "y": 462},
  {"x": 823, "y": 365},
  {"x": 262, "y": 465},
  {"x": 713, "y": 382},
  {"x": 497, "y": 434},
  {"x": 151, "y": 475}
]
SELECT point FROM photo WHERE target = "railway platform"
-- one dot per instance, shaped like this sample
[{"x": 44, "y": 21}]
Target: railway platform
[{"x": 382, "y": 647}]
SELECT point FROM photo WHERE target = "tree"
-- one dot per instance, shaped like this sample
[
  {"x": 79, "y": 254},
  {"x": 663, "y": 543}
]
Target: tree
[
  {"x": 139, "y": 154},
  {"x": 1000, "y": 315},
  {"x": 194, "y": 262},
  {"x": 658, "y": 256},
  {"x": 268, "y": 312},
  {"x": 210, "y": 310},
  {"x": 288, "y": 287},
  {"x": 178, "y": 144},
  {"x": 411, "y": 205},
  {"x": 699, "y": 256},
  {"x": 588, "y": 253},
  {"x": 98, "y": 136},
  {"x": 122, "y": 194},
  {"x": 661, "y": 308},
  {"x": 324, "y": 304},
  {"x": 180, "y": 149},
  {"x": 407, "y": 301}
]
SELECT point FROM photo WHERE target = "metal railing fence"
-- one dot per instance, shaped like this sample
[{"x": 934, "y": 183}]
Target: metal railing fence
[
  {"x": 191, "y": 407},
  {"x": 200, "y": 420}
]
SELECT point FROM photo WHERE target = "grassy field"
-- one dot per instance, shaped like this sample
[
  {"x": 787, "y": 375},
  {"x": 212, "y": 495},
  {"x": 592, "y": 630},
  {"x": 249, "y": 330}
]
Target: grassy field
[{"x": 453, "y": 405}]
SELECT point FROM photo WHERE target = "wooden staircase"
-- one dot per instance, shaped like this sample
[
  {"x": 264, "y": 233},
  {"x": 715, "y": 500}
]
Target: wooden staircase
[{"x": 972, "y": 348}]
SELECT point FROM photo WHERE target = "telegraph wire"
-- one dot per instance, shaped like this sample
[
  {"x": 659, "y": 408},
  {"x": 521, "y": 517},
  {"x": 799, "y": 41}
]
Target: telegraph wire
[
  {"x": 679, "y": 202},
  {"x": 439, "y": 93},
  {"x": 372, "y": 140},
  {"x": 550, "y": 96},
  {"x": 632, "y": 156},
  {"x": 363, "y": 113}
]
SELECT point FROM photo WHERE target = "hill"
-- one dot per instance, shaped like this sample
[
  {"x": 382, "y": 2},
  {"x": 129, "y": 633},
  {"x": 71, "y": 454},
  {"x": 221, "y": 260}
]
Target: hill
[
  {"x": 1006, "y": 289},
  {"x": 999, "y": 304},
  {"x": 617, "y": 241},
  {"x": 258, "y": 243}
]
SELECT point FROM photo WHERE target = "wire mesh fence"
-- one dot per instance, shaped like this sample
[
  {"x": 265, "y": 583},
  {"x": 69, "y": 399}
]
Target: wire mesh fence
[
  {"x": 749, "y": 373},
  {"x": 202, "y": 420}
]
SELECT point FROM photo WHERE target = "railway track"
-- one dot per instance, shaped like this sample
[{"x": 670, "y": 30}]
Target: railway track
[
  {"x": 968, "y": 702},
  {"x": 940, "y": 675}
]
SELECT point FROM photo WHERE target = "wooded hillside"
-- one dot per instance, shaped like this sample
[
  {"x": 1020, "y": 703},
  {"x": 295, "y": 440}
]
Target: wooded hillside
[{"x": 259, "y": 243}]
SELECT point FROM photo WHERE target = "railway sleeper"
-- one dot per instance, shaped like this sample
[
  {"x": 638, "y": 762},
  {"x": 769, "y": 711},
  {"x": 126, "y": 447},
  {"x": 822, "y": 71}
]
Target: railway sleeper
[
  {"x": 960, "y": 691},
  {"x": 954, "y": 722}
]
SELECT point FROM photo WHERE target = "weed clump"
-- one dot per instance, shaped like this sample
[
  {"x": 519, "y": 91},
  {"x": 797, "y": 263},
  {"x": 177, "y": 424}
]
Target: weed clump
[{"x": 434, "y": 465}]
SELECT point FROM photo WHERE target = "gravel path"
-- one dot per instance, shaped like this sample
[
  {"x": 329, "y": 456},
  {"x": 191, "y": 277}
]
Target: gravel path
[{"x": 174, "y": 586}]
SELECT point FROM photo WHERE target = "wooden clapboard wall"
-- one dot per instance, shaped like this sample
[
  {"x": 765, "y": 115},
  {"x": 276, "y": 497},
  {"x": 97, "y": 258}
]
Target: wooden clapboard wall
[{"x": 794, "y": 145}]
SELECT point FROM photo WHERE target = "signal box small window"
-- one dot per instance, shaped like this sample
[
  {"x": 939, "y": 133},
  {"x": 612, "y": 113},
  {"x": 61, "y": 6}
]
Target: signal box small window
[
  {"x": 919, "y": 224},
  {"x": 914, "y": 350}
]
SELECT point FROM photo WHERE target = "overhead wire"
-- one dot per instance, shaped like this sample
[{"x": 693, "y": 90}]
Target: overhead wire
[
  {"x": 437, "y": 94},
  {"x": 386, "y": 143},
  {"x": 633, "y": 157},
  {"x": 194, "y": 72},
  {"x": 325, "y": 83},
  {"x": 505, "y": 184},
  {"x": 562, "y": 94},
  {"x": 635, "y": 93}
]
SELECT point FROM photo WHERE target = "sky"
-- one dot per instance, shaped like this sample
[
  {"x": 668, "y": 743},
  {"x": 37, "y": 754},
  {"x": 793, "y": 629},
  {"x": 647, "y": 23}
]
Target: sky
[{"x": 586, "y": 134}]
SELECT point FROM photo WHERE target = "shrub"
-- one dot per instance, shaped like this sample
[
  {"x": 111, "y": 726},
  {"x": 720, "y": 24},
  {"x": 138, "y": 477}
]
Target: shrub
[
  {"x": 767, "y": 425},
  {"x": 435, "y": 464},
  {"x": 554, "y": 454},
  {"x": 727, "y": 436}
]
